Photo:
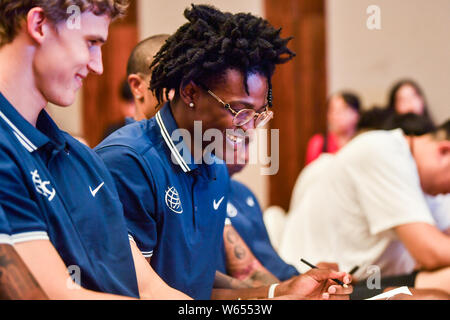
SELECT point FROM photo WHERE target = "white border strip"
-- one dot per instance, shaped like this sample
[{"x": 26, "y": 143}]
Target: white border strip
[
  {"x": 5, "y": 239},
  {"x": 29, "y": 236},
  {"x": 170, "y": 144},
  {"x": 18, "y": 133},
  {"x": 147, "y": 254}
]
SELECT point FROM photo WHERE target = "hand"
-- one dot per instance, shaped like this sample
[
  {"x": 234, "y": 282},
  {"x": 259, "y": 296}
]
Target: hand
[
  {"x": 328, "y": 265},
  {"x": 316, "y": 284}
]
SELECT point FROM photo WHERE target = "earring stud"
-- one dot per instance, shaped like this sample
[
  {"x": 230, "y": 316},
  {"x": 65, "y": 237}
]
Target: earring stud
[{"x": 191, "y": 105}]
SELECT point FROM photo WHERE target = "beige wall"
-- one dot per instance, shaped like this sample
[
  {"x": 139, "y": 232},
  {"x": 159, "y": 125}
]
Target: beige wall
[{"x": 413, "y": 42}]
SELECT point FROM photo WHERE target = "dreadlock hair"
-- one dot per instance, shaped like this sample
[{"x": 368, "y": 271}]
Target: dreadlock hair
[{"x": 213, "y": 42}]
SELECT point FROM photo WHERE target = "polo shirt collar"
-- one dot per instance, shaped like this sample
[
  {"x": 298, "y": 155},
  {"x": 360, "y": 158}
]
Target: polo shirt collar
[
  {"x": 167, "y": 125},
  {"x": 31, "y": 138}
]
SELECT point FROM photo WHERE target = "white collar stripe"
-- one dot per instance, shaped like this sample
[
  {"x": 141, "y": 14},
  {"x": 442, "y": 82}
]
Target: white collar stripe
[
  {"x": 26, "y": 146},
  {"x": 24, "y": 140},
  {"x": 170, "y": 144}
]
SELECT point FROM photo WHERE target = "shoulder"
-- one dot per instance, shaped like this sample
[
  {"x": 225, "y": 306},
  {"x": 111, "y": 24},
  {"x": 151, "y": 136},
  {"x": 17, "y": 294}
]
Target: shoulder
[
  {"x": 137, "y": 136},
  {"x": 375, "y": 145}
]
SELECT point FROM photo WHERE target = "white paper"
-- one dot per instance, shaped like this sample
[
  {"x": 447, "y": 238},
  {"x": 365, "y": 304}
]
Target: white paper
[{"x": 391, "y": 293}]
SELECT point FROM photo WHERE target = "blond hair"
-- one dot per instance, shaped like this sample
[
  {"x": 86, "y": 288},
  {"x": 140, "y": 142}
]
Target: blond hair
[{"x": 14, "y": 12}]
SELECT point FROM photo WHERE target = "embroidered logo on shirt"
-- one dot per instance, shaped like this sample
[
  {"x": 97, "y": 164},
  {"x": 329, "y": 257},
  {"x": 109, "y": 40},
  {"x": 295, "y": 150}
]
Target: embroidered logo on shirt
[
  {"x": 231, "y": 210},
  {"x": 216, "y": 205},
  {"x": 173, "y": 200},
  {"x": 42, "y": 186},
  {"x": 94, "y": 192}
]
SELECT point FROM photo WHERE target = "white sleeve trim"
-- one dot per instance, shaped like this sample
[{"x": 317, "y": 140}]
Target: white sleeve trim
[
  {"x": 29, "y": 236},
  {"x": 147, "y": 254},
  {"x": 5, "y": 239}
]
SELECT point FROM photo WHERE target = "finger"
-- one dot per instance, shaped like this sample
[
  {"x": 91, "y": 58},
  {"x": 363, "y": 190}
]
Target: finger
[
  {"x": 338, "y": 297},
  {"x": 328, "y": 265},
  {"x": 339, "y": 290},
  {"x": 325, "y": 274}
]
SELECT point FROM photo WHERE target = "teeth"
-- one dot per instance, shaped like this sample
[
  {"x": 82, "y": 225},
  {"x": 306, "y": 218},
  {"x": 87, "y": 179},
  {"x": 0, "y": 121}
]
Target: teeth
[{"x": 234, "y": 139}]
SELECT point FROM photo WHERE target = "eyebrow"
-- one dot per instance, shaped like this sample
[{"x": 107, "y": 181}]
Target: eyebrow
[{"x": 96, "y": 38}]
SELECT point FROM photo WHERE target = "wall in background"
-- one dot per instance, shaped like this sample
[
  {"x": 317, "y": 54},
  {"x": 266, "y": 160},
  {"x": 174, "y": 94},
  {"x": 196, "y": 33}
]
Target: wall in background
[{"x": 413, "y": 42}]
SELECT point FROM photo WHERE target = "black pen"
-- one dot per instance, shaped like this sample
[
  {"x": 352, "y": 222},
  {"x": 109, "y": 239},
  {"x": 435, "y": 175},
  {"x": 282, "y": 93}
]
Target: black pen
[
  {"x": 314, "y": 267},
  {"x": 355, "y": 268}
]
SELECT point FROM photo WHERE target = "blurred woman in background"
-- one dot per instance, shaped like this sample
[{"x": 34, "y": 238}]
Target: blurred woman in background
[
  {"x": 407, "y": 97},
  {"x": 342, "y": 119}
]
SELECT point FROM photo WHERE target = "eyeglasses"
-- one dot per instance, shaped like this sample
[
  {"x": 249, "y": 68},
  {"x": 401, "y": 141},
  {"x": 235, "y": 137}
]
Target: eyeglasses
[{"x": 244, "y": 116}]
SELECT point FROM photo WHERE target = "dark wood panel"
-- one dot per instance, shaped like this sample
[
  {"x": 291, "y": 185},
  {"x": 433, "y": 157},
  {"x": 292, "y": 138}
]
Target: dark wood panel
[
  {"x": 299, "y": 88},
  {"x": 101, "y": 104}
]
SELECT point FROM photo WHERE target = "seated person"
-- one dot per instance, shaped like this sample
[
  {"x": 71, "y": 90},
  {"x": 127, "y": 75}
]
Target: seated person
[
  {"x": 139, "y": 74},
  {"x": 250, "y": 260},
  {"x": 59, "y": 199},
  {"x": 375, "y": 190},
  {"x": 174, "y": 198},
  {"x": 342, "y": 118}
]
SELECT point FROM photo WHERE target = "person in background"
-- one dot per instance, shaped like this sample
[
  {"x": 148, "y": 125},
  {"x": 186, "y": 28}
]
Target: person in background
[
  {"x": 127, "y": 108},
  {"x": 139, "y": 74},
  {"x": 342, "y": 118},
  {"x": 406, "y": 96}
]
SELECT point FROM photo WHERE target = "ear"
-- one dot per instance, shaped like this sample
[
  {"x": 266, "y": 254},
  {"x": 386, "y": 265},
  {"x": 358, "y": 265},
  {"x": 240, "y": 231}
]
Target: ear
[
  {"x": 137, "y": 85},
  {"x": 189, "y": 93},
  {"x": 36, "y": 24}
]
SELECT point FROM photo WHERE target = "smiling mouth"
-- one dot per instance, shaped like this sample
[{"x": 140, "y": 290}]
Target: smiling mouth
[
  {"x": 235, "y": 139},
  {"x": 79, "y": 79}
]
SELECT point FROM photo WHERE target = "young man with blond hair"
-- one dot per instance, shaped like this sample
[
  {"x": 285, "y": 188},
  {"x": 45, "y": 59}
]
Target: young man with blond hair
[{"x": 59, "y": 200}]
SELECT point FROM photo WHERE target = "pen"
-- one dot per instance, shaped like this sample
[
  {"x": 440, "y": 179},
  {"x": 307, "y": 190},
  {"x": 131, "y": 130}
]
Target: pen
[
  {"x": 355, "y": 268},
  {"x": 314, "y": 267}
]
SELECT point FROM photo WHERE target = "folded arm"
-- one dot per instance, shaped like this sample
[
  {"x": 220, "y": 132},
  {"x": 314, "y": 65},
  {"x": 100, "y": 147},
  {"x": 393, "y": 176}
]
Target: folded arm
[{"x": 428, "y": 245}]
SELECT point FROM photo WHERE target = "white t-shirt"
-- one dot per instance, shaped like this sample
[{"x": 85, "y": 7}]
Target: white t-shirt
[{"x": 348, "y": 214}]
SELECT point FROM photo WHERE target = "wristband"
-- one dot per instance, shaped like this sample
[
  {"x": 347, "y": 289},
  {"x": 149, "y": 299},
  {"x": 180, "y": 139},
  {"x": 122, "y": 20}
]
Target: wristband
[{"x": 272, "y": 288}]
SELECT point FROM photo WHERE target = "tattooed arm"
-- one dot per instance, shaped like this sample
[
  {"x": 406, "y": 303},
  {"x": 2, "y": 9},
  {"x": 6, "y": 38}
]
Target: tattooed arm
[
  {"x": 16, "y": 281},
  {"x": 242, "y": 264}
]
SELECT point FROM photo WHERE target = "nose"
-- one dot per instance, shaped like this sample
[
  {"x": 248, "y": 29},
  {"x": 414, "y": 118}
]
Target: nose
[
  {"x": 96, "y": 63},
  {"x": 249, "y": 125}
]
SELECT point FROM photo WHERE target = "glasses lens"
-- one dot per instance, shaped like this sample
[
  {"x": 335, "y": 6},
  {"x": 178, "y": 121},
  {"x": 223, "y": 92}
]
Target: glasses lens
[
  {"x": 264, "y": 119},
  {"x": 243, "y": 117}
]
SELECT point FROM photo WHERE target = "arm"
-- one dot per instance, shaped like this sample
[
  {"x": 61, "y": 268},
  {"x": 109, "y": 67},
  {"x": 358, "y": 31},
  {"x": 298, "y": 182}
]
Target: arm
[
  {"x": 242, "y": 264},
  {"x": 428, "y": 246},
  {"x": 16, "y": 281},
  {"x": 51, "y": 273},
  {"x": 313, "y": 285},
  {"x": 151, "y": 286}
]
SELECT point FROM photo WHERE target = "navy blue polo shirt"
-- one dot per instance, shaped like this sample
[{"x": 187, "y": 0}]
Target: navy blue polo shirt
[
  {"x": 4, "y": 229},
  {"x": 175, "y": 208},
  {"x": 247, "y": 218},
  {"x": 55, "y": 188}
]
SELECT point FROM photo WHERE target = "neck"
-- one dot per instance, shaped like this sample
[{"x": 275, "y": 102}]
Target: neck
[
  {"x": 17, "y": 82},
  {"x": 185, "y": 120},
  {"x": 344, "y": 137}
]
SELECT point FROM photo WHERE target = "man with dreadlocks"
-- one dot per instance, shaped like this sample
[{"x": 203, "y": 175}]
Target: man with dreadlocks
[{"x": 219, "y": 66}]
